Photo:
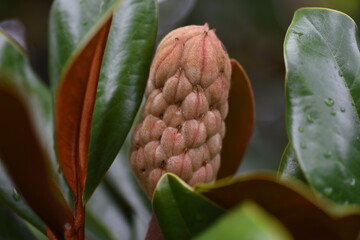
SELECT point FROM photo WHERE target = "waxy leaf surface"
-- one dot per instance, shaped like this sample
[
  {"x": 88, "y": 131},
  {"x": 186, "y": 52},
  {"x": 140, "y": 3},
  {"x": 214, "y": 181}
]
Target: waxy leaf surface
[
  {"x": 246, "y": 222},
  {"x": 294, "y": 206},
  {"x": 289, "y": 165},
  {"x": 121, "y": 85},
  {"x": 118, "y": 79},
  {"x": 71, "y": 25},
  {"x": 74, "y": 107},
  {"x": 182, "y": 213},
  {"x": 323, "y": 101}
]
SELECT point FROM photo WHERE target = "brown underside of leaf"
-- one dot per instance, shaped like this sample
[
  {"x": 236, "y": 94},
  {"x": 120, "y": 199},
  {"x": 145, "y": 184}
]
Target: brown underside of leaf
[
  {"x": 73, "y": 115},
  {"x": 74, "y": 108},
  {"x": 302, "y": 216},
  {"x": 27, "y": 162},
  {"x": 239, "y": 122}
]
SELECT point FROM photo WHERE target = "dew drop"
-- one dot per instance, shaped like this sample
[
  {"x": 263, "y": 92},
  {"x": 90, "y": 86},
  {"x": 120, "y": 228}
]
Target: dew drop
[
  {"x": 303, "y": 146},
  {"x": 329, "y": 102},
  {"x": 357, "y": 138},
  {"x": 333, "y": 112},
  {"x": 351, "y": 181},
  {"x": 340, "y": 73},
  {"x": 301, "y": 129},
  {"x": 299, "y": 34},
  {"x": 342, "y": 109},
  {"x": 309, "y": 118},
  {"x": 327, "y": 154},
  {"x": 16, "y": 195},
  {"x": 328, "y": 190}
]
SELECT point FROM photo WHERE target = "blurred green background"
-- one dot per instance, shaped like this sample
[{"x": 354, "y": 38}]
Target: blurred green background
[{"x": 253, "y": 32}]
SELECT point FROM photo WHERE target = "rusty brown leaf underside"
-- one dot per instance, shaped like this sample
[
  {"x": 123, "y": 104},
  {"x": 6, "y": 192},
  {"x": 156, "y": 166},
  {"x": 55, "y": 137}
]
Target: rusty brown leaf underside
[
  {"x": 298, "y": 211},
  {"x": 73, "y": 114},
  {"x": 239, "y": 122},
  {"x": 28, "y": 163},
  {"x": 74, "y": 107}
]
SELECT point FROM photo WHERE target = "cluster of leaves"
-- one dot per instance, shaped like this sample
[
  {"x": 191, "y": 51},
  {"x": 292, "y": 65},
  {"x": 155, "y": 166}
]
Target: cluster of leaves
[{"x": 99, "y": 58}]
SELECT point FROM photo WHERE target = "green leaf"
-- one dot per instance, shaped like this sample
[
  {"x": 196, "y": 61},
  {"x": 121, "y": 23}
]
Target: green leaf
[
  {"x": 121, "y": 84},
  {"x": 11, "y": 227},
  {"x": 181, "y": 212},
  {"x": 323, "y": 100},
  {"x": 246, "y": 222},
  {"x": 289, "y": 165},
  {"x": 71, "y": 25},
  {"x": 292, "y": 203}
]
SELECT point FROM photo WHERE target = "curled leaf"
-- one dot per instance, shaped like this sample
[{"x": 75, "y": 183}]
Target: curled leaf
[{"x": 295, "y": 206}]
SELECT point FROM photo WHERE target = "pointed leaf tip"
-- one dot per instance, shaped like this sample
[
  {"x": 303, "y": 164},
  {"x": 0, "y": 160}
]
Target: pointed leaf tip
[
  {"x": 124, "y": 72},
  {"x": 74, "y": 107},
  {"x": 181, "y": 212}
]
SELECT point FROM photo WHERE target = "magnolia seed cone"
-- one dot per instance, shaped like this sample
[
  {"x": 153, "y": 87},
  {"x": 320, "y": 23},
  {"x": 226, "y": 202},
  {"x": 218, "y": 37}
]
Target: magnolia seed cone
[{"x": 182, "y": 122}]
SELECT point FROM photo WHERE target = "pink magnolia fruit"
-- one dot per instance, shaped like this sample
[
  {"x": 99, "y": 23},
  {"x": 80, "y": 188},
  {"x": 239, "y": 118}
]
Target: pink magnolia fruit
[{"x": 182, "y": 122}]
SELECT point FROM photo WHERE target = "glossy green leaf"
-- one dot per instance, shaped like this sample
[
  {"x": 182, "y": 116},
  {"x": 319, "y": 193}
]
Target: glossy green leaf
[
  {"x": 25, "y": 146},
  {"x": 71, "y": 25},
  {"x": 246, "y": 222},
  {"x": 11, "y": 227},
  {"x": 121, "y": 84},
  {"x": 292, "y": 203},
  {"x": 323, "y": 100},
  {"x": 289, "y": 165},
  {"x": 181, "y": 212}
]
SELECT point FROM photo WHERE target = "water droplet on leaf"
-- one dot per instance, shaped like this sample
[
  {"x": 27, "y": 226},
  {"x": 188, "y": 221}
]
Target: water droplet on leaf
[
  {"x": 327, "y": 154},
  {"x": 303, "y": 146},
  {"x": 329, "y": 102},
  {"x": 299, "y": 34},
  {"x": 351, "y": 181},
  {"x": 333, "y": 112},
  {"x": 309, "y": 118},
  {"x": 328, "y": 190},
  {"x": 340, "y": 73},
  {"x": 301, "y": 129},
  {"x": 16, "y": 195},
  {"x": 342, "y": 109}
]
